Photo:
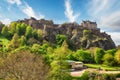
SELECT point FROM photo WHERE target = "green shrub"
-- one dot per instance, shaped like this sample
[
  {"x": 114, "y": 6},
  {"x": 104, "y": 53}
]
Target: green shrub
[{"x": 85, "y": 76}]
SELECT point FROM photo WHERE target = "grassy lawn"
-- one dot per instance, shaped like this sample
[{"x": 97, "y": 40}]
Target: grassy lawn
[{"x": 103, "y": 67}]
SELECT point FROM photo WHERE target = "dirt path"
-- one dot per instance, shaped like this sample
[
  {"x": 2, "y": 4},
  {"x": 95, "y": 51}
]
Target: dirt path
[{"x": 79, "y": 73}]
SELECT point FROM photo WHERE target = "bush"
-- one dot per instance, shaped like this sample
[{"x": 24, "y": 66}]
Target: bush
[
  {"x": 85, "y": 76},
  {"x": 109, "y": 60},
  {"x": 109, "y": 76},
  {"x": 84, "y": 56},
  {"x": 99, "y": 53}
]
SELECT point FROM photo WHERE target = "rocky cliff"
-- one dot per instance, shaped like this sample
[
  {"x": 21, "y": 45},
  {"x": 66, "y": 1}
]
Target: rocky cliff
[{"x": 85, "y": 35}]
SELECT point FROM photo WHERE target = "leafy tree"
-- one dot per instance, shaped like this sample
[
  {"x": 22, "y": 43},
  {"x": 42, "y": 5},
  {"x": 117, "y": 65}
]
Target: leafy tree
[
  {"x": 60, "y": 39},
  {"x": 117, "y": 56},
  {"x": 22, "y": 40},
  {"x": 15, "y": 43},
  {"x": 13, "y": 28},
  {"x": 84, "y": 56},
  {"x": 31, "y": 41},
  {"x": 23, "y": 27},
  {"x": 28, "y": 32},
  {"x": 111, "y": 51},
  {"x": 5, "y": 31},
  {"x": 109, "y": 59},
  {"x": 23, "y": 65},
  {"x": 99, "y": 53},
  {"x": 20, "y": 28},
  {"x": 43, "y": 48},
  {"x": 35, "y": 34},
  {"x": 59, "y": 66},
  {"x": 35, "y": 48},
  {"x": 87, "y": 33},
  {"x": 39, "y": 34},
  {"x": 18, "y": 31}
]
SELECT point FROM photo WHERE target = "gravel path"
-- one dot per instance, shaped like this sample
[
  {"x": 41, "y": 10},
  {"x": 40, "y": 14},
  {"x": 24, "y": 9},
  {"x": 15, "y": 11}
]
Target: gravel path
[{"x": 79, "y": 73}]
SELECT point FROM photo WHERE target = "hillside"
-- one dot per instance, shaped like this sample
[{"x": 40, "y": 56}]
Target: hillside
[{"x": 85, "y": 35}]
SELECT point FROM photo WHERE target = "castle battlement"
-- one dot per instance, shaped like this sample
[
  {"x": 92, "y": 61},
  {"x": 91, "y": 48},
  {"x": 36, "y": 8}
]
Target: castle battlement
[{"x": 88, "y": 24}]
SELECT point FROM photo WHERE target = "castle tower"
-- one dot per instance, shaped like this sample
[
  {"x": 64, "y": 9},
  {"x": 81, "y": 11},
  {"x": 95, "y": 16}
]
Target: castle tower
[{"x": 88, "y": 24}]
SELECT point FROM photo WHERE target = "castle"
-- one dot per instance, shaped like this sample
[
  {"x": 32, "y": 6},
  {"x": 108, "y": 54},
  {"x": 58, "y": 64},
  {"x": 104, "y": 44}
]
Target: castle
[
  {"x": 88, "y": 24},
  {"x": 42, "y": 22}
]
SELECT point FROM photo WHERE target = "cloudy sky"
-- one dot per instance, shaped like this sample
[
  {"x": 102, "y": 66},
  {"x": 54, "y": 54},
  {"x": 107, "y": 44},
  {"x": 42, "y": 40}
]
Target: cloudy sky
[{"x": 105, "y": 12}]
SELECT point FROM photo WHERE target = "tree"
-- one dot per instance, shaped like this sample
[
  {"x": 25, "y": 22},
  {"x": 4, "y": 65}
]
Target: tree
[
  {"x": 59, "y": 66},
  {"x": 87, "y": 34},
  {"x": 117, "y": 56},
  {"x": 35, "y": 48},
  {"x": 35, "y": 34},
  {"x": 15, "y": 43},
  {"x": 5, "y": 31},
  {"x": 111, "y": 51},
  {"x": 28, "y": 32},
  {"x": 18, "y": 29},
  {"x": 60, "y": 39},
  {"x": 23, "y": 27},
  {"x": 39, "y": 34},
  {"x": 22, "y": 40},
  {"x": 99, "y": 53},
  {"x": 23, "y": 65},
  {"x": 12, "y": 28},
  {"x": 84, "y": 56},
  {"x": 109, "y": 59}
]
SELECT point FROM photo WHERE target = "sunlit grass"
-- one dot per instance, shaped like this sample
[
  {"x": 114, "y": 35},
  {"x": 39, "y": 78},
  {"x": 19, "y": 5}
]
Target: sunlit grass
[{"x": 103, "y": 67}]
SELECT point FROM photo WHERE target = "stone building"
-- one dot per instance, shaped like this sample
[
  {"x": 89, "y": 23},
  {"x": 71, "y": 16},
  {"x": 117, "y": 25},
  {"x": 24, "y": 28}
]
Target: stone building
[{"x": 88, "y": 24}]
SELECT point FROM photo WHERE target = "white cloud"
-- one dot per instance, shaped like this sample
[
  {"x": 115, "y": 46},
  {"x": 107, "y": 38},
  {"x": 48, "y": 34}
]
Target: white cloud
[
  {"x": 6, "y": 21},
  {"x": 111, "y": 21},
  {"x": 25, "y": 8},
  {"x": 105, "y": 14},
  {"x": 115, "y": 36},
  {"x": 98, "y": 5},
  {"x": 69, "y": 12},
  {"x": 28, "y": 10},
  {"x": 18, "y": 2}
]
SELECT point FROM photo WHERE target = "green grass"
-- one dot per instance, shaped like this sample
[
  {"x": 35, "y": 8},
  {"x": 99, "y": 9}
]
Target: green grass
[{"x": 103, "y": 67}]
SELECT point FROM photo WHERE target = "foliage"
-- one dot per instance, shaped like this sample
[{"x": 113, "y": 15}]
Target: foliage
[
  {"x": 109, "y": 76},
  {"x": 28, "y": 32},
  {"x": 59, "y": 66},
  {"x": 87, "y": 33},
  {"x": 5, "y": 31},
  {"x": 99, "y": 55},
  {"x": 23, "y": 40},
  {"x": 35, "y": 48},
  {"x": 23, "y": 66},
  {"x": 109, "y": 59},
  {"x": 82, "y": 55},
  {"x": 39, "y": 34},
  {"x": 15, "y": 43},
  {"x": 60, "y": 38},
  {"x": 12, "y": 28},
  {"x": 111, "y": 51},
  {"x": 117, "y": 56},
  {"x": 85, "y": 76}
]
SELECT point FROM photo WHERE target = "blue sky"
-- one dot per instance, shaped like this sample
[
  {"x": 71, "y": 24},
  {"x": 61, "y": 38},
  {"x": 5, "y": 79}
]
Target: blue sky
[{"x": 105, "y": 12}]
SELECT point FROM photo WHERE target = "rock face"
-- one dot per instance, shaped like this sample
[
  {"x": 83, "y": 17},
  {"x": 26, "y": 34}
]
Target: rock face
[{"x": 85, "y": 35}]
